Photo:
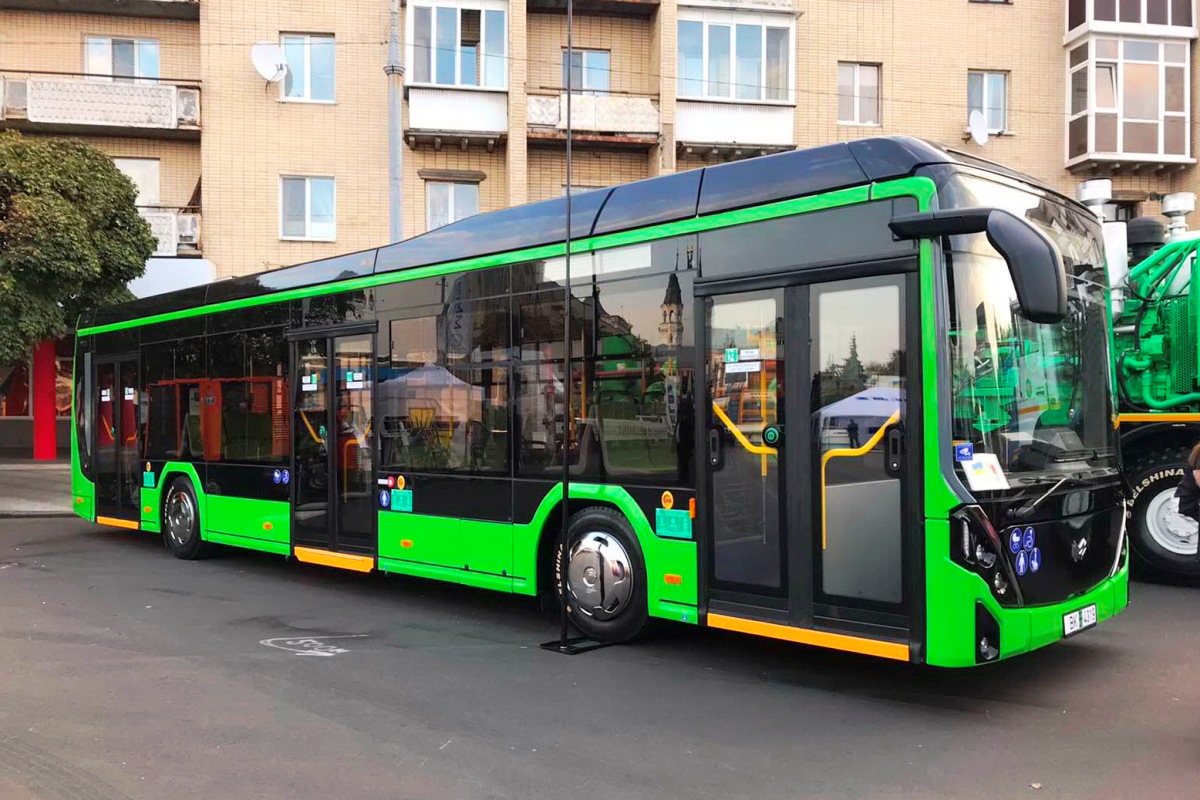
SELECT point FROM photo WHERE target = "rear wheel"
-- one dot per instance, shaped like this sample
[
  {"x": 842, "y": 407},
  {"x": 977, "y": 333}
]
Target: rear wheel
[
  {"x": 1162, "y": 539},
  {"x": 181, "y": 521},
  {"x": 606, "y": 576}
]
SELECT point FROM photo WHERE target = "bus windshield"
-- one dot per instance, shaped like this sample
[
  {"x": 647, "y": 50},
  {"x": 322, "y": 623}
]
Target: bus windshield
[{"x": 1036, "y": 396}]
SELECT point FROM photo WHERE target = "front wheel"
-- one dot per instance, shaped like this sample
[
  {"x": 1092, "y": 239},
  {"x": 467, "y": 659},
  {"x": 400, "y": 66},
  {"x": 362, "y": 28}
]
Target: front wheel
[
  {"x": 181, "y": 521},
  {"x": 606, "y": 576},
  {"x": 1161, "y": 538}
]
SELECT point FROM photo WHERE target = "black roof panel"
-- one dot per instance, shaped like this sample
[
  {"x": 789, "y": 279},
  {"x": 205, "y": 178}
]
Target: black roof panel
[{"x": 663, "y": 199}]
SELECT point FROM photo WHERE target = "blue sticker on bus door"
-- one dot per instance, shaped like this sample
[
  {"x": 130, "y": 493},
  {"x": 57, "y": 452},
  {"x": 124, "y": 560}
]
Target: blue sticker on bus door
[
  {"x": 1035, "y": 560},
  {"x": 1014, "y": 540},
  {"x": 964, "y": 452},
  {"x": 1022, "y": 563},
  {"x": 1029, "y": 542}
]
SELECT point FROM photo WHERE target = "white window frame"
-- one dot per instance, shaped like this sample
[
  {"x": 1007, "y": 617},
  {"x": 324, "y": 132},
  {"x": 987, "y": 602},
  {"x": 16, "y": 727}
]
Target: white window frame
[
  {"x": 1092, "y": 63},
  {"x": 709, "y": 17},
  {"x": 584, "y": 70},
  {"x": 307, "y": 237},
  {"x": 450, "y": 205},
  {"x": 482, "y": 6},
  {"x": 1117, "y": 27},
  {"x": 107, "y": 75},
  {"x": 858, "y": 67},
  {"x": 307, "y": 40},
  {"x": 986, "y": 73}
]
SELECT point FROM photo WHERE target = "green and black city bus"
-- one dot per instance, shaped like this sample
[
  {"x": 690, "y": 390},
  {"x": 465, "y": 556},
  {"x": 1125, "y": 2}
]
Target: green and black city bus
[{"x": 856, "y": 396}]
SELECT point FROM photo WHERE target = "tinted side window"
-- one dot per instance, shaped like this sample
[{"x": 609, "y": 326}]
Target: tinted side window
[
  {"x": 848, "y": 233},
  {"x": 244, "y": 401}
]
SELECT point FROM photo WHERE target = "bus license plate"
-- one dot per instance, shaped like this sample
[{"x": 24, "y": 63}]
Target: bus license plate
[{"x": 1079, "y": 620}]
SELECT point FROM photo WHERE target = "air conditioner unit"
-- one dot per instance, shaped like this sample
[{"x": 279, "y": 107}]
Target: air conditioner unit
[
  {"x": 15, "y": 96},
  {"x": 188, "y": 104},
  {"x": 189, "y": 231}
]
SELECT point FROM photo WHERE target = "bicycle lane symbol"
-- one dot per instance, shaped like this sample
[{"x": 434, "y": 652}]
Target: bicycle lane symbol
[{"x": 310, "y": 645}]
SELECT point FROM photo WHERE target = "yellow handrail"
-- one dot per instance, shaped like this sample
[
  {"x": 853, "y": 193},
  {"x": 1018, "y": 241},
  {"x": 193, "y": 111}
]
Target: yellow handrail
[
  {"x": 850, "y": 453},
  {"x": 756, "y": 449}
]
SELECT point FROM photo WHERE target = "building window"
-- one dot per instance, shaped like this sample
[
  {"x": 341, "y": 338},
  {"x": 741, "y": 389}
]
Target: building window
[
  {"x": 1120, "y": 211},
  {"x": 1129, "y": 97},
  {"x": 449, "y": 202},
  {"x": 589, "y": 71},
  {"x": 14, "y": 390},
  {"x": 307, "y": 209},
  {"x": 858, "y": 94},
  {"x": 1138, "y": 12},
  {"x": 734, "y": 55},
  {"x": 144, "y": 172},
  {"x": 458, "y": 46},
  {"x": 987, "y": 92},
  {"x": 310, "y": 73},
  {"x": 123, "y": 60}
]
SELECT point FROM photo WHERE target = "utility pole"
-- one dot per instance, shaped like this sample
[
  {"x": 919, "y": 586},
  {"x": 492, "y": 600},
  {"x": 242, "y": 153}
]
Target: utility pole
[{"x": 395, "y": 72}]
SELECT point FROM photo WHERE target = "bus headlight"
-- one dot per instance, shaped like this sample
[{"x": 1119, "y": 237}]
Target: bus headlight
[{"x": 977, "y": 548}]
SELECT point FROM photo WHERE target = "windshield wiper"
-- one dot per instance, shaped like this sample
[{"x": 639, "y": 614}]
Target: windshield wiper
[{"x": 1028, "y": 508}]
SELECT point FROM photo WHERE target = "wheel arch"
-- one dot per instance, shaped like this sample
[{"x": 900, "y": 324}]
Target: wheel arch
[{"x": 182, "y": 469}]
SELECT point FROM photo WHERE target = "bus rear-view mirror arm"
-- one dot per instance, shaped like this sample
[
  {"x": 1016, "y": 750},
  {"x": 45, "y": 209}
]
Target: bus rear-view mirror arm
[{"x": 1033, "y": 260}]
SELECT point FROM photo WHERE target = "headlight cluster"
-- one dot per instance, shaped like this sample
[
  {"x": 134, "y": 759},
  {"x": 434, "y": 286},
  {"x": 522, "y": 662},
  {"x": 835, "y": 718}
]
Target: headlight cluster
[{"x": 975, "y": 545}]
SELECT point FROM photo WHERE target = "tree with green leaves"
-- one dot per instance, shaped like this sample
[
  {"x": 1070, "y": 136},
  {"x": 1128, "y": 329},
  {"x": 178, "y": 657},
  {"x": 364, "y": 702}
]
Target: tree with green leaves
[{"x": 70, "y": 238}]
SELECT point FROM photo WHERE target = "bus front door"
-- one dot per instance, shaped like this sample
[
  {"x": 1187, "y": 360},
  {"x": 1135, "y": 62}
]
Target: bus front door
[
  {"x": 333, "y": 485},
  {"x": 812, "y": 525},
  {"x": 118, "y": 440}
]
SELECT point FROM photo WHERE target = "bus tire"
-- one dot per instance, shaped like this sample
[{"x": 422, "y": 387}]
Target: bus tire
[
  {"x": 1155, "y": 529},
  {"x": 181, "y": 521},
  {"x": 606, "y": 576}
]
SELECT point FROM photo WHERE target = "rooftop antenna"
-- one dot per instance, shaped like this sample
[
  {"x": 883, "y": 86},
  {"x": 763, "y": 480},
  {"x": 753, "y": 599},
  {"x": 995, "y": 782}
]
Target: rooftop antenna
[
  {"x": 269, "y": 61},
  {"x": 977, "y": 125}
]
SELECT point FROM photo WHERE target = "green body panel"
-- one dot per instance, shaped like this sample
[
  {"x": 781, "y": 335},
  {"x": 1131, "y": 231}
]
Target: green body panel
[
  {"x": 83, "y": 491},
  {"x": 246, "y": 519},
  {"x": 458, "y": 544},
  {"x": 150, "y": 520},
  {"x": 504, "y": 557},
  {"x": 278, "y": 548},
  {"x": 951, "y": 639}
]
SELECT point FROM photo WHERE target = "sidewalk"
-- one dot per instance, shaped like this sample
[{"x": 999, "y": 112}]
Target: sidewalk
[{"x": 35, "y": 488}]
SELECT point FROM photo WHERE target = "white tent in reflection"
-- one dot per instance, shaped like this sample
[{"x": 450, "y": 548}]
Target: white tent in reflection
[
  {"x": 867, "y": 409},
  {"x": 430, "y": 395}
]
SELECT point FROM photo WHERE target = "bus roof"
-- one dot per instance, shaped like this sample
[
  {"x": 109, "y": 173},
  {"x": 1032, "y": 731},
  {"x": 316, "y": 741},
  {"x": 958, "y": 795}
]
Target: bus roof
[{"x": 668, "y": 198}]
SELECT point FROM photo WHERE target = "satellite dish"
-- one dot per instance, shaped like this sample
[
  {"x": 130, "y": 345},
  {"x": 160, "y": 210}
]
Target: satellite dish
[
  {"x": 268, "y": 61},
  {"x": 977, "y": 125}
]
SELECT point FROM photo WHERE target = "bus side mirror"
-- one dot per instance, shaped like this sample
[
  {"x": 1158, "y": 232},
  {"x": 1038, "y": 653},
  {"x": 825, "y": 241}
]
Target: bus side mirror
[{"x": 1034, "y": 262}]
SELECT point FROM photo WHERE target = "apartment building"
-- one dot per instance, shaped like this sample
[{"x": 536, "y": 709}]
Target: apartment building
[{"x": 238, "y": 174}]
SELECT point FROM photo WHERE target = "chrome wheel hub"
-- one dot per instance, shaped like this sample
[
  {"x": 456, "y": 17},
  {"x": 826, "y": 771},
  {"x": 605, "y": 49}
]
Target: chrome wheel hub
[
  {"x": 1174, "y": 532},
  {"x": 599, "y": 576},
  {"x": 180, "y": 517}
]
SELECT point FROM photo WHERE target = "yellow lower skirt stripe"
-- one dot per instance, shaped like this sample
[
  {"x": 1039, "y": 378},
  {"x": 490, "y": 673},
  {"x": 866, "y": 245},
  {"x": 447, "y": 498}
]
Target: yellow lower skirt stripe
[
  {"x": 835, "y": 641},
  {"x": 118, "y": 523},
  {"x": 1158, "y": 417},
  {"x": 328, "y": 558}
]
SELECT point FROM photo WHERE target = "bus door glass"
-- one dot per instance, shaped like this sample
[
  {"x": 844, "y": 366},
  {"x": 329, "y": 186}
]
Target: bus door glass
[
  {"x": 332, "y": 431},
  {"x": 745, "y": 369},
  {"x": 859, "y": 385},
  {"x": 118, "y": 438}
]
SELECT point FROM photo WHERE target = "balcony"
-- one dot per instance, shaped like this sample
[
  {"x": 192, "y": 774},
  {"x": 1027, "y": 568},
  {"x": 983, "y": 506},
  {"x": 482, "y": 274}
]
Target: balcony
[
  {"x": 151, "y": 9},
  {"x": 1158, "y": 18},
  {"x": 79, "y": 105},
  {"x": 643, "y": 9},
  {"x": 620, "y": 122},
  {"x": 176, "y": 229},
  {"x": 456, "y": 117},
  {"x": 733, "y": 130}
]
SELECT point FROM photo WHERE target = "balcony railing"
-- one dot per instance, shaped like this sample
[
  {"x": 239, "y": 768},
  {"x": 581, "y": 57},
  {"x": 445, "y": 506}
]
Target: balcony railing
[
  {"x": 59, "y": 103},
  {"x": 726, "y": 127},
  {"x": 614, "y": 8},
  {"x": 625, "y": 120},
  {"x": 155, "y": 9},
  {"x": 461, "y": 116},
  {"x": 176, "y": 229}
]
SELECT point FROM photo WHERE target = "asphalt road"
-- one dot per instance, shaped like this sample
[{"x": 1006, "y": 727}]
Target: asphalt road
[{"x": 125, "y": 673}]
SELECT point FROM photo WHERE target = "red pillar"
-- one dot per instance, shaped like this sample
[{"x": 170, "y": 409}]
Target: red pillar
[{"x": 45, "y": 376}]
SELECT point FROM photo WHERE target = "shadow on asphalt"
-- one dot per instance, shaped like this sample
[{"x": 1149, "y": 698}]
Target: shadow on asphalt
[{"x": 524, "y": 621}]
